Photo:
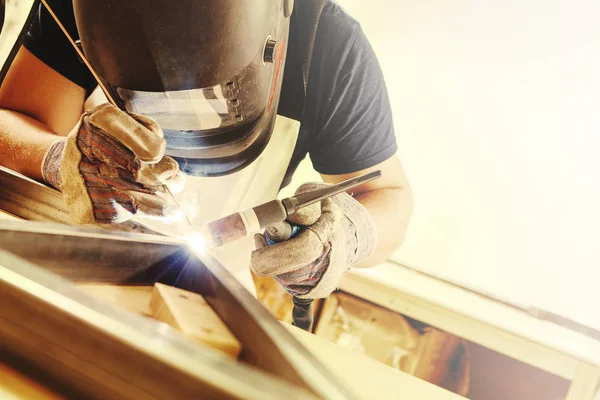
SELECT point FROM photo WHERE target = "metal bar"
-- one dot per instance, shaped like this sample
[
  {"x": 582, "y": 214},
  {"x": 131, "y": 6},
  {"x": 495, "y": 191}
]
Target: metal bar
[
  {"x": 89, "y": 254},
  {"x": 86, "y": 254},
  {"x": 105, "y": 352}
]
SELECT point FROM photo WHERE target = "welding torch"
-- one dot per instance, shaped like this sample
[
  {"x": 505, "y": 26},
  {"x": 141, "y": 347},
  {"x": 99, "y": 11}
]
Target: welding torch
[{"x": 272, "y": 217}]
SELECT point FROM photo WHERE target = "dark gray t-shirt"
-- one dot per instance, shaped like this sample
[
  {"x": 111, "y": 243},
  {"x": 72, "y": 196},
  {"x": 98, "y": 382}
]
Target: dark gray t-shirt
[{"x": 346, "y": 124}]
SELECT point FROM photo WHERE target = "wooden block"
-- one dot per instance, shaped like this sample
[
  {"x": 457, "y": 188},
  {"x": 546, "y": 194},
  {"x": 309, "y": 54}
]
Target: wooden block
[
  {"x": 191, "y": 314},
  {"x": 132, "y": 298}
]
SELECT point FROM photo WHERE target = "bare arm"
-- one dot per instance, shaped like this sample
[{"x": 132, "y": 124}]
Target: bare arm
[
  {"x": 389, "y": 202},
  {"x": 36, "y": 104}
]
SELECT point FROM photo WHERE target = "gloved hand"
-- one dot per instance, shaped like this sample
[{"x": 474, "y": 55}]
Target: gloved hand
[
  {"x": 111, "y": 166},
  {"x": 338, "y": 233}
]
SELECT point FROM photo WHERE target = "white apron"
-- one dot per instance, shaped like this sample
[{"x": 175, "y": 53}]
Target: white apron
[{"x": 206, "y": 199}]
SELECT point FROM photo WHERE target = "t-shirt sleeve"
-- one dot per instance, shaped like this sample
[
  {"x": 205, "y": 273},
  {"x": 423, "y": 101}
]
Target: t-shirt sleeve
[
  {"x": 353, "y": 128},
  {"x": 46, "y": 41}
]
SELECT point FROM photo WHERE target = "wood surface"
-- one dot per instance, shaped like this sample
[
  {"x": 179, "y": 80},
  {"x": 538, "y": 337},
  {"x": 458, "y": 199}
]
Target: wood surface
[
  {"x": 190, "y": 314},
  {"x": 489, "y": 323},
  {"x": 8, "y": 216},
  {"x": 370, "y": 379},
  {"x": 365, "y": 377},
  {"x": 92, "y": 255},
  {"x": 585, "y": 384},
  {"x": 16, "y": 386},
  {"x": 388, "y": 337},
  {"x": 90, "y": 345}
]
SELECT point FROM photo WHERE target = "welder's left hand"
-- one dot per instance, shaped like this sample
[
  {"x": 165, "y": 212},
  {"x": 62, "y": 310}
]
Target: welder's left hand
[
  {"x": 111, "y": 166},
  {"x": 337, "y": 233}
]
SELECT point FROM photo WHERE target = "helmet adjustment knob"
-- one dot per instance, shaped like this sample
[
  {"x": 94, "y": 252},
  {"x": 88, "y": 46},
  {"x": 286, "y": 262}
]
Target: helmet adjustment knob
[{"x": 269, "y": 54}]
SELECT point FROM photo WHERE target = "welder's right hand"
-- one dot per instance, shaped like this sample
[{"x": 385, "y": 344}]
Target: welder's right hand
[{"x": 111, "y": 166}]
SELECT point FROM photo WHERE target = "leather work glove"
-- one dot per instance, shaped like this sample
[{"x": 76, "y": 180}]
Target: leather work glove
[
  {"x": 338, "y": 233},
  {"x": 111, "y": 166}
]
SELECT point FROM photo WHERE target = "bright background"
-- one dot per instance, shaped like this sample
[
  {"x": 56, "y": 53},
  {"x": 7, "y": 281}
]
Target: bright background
[{"x": 496, "y": 109}]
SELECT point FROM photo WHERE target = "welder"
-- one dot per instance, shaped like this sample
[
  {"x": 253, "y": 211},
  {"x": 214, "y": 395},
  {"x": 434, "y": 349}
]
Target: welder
[{"x": 234, "y": 92}]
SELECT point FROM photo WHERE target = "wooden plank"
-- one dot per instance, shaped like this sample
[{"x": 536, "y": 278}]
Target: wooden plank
[
  {"x": 16, "y": 386},
  {"x": 388, "y": 337},
  {"x": 585, "y": 384},
  {"x": 190, "y": 314},
  {"x": 8, "y": 216},
  {"x": 328, "y": 309},
  {"x": 491, "y": 324},
  {"x": 370, "y": 379},
  {"x": 133, "y": 298}
]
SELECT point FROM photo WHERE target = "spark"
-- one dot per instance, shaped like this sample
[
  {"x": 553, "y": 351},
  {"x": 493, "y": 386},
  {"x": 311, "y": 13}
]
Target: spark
[{"x": 197, "y": 242}]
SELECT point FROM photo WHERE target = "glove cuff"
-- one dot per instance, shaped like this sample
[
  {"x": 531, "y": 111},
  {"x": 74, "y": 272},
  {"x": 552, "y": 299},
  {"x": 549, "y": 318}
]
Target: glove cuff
[
  {"x": 51, "y": 164},
  {"x": 361, "y": 231},
  {"x": 362, "y": 227}
]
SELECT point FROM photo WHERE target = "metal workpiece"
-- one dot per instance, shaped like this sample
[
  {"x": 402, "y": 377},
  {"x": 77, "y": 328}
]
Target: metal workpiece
[
  {"x": 31, "y": 200},
  {"x": 35, "y": 259},
  {"x": 86, "y": 254}
]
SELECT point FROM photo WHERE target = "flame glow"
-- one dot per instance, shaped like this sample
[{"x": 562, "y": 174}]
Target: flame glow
[{"x": 197, "y": 242}]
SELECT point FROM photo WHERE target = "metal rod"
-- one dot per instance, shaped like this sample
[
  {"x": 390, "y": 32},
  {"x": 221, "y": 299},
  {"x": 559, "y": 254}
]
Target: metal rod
[{"x": 294, "y": 203}]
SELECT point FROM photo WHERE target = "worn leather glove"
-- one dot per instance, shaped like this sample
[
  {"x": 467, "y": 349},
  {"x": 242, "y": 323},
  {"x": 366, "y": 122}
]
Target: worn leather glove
[
  {"x": 338, "y": 233},
  {"x": 111, "y": 166}
]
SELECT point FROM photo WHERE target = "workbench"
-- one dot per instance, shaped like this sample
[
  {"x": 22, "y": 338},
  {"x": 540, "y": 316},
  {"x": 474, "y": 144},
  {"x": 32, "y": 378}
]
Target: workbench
[{"x": 365, "y": 377}]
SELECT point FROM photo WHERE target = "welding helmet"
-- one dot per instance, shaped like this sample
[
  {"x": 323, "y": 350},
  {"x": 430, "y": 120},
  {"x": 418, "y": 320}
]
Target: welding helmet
[{"x": 209, "y": 72}]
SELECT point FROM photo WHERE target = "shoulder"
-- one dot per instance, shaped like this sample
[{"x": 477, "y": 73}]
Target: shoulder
[
  {"x": 321, "y": 45},
  {"x": 337, "y": 31},
  {"x": 336, "y": 26},
  {"x": 347, "y": 117},
  {"x": 340, "y": 48}
]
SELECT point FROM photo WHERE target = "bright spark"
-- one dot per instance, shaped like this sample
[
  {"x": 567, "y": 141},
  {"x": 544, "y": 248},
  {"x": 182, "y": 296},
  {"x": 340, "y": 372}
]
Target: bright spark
[{"x": 197, "y": 242}]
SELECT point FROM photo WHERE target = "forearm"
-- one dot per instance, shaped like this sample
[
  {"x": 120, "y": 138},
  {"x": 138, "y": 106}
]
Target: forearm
[
  {"x": 390, "y": 209},
  {"x": 23, "y": 142}
]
